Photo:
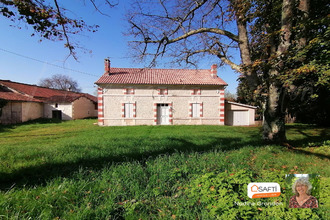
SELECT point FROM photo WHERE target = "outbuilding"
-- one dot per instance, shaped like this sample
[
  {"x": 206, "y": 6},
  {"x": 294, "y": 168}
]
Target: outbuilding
[
  {"x": 238, "y": 114},
  {"x": 21, "y": 102}
]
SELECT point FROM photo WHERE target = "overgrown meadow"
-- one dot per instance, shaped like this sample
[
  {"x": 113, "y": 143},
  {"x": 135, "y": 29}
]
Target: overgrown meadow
[{"x": 77, "y": 170}]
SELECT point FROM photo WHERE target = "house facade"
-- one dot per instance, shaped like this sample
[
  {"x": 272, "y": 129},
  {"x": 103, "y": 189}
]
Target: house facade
[
  {"x": 25, "y": 102},
  {"x": 133, "y": 96}
]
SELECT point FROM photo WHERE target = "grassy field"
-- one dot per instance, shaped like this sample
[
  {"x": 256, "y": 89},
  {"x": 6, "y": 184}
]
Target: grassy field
[{"x": 77, "y": 170}]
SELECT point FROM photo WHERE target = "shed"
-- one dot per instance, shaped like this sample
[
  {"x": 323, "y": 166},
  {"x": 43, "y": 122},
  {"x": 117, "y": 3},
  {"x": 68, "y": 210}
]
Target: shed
[{"x": 238, "y": 114}]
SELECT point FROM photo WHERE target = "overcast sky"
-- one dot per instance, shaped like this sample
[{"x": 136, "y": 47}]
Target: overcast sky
[{"x": 24, "y": 59}]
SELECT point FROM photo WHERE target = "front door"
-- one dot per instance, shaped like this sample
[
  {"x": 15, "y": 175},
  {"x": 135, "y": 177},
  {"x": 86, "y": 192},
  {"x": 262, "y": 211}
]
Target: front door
[{"x": 163, "y": 114}]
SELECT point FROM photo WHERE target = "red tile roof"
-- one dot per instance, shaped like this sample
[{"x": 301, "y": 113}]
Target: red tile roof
[
  {"x": 160, "y": 76},
  {"x": 8, "y": 95},
  {"x": 41, "y": 93}
]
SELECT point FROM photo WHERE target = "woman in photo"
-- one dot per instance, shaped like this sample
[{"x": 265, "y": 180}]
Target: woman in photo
[{"x": 302, "y": 198}]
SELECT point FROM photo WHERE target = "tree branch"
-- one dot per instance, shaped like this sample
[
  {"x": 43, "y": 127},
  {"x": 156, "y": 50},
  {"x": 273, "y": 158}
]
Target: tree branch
[
  {"x": 198, "y": 5},
  {"x": 62, "y": 23},
  {"x": 205, "y": 30},
  {"x": 188, "y": 28},
  {"x": 215, "y": 52},
  {"x": 97, "y": 8}
]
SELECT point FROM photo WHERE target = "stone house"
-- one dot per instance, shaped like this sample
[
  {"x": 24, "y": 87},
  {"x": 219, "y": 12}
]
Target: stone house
[
  {"x": 25, "y": 102},
  {"x": 134, "y": 96}
]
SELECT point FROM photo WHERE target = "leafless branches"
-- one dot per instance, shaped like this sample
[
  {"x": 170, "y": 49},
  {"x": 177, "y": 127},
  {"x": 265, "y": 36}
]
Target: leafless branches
[
  {"x": 61, "y": 82},
  {"x": 183, "y": 30}
]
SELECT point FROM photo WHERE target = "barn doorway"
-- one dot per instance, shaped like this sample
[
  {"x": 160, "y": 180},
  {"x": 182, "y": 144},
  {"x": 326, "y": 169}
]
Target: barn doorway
[{"x": 57, "y": 114}]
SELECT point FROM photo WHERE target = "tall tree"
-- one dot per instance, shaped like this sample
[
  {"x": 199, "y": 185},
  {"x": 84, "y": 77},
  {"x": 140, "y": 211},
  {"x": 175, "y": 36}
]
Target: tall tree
[
  {"x": 305, "y": 79},
  {"x": 309, "y": 78},
  {"x": 261, "y": 30},
  {"x": 274, "y": 124},
  {"x": 61, "y": 82}
]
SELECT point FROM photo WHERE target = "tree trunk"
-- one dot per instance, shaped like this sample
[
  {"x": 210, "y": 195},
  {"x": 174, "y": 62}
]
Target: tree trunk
[
  {"x": 243, "y": 42},
  {"x": 274, "y": 115},
  {"x": 304, "y": 8},
  {"x": 274, "y": 125},
  {"x": 244, "y": 47}
]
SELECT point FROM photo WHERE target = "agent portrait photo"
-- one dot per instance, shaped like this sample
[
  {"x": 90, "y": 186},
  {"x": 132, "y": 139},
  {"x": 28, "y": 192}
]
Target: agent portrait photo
[{"x": 302, "y": 197}]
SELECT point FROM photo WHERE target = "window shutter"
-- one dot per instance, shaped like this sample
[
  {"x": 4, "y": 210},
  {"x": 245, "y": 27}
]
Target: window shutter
[
  {"x": 195, "y": 110},
  {"x": 128, "y": 110}
]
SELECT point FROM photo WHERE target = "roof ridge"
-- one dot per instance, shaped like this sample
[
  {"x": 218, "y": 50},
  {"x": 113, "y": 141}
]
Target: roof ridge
[
  {"x": 150, "y": 68},
  {"x": 61, "y": 90},
  {"x": 160, "y": 76},
  {"x": 6, "y": 80}
]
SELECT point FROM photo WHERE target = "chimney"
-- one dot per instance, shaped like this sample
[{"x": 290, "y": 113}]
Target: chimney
[
  {"x": 214, "y": 70},
  {"x": 106, "y": 66}
]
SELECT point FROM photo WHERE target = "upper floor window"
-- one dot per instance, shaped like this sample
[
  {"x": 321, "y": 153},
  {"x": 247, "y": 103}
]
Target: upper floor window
[
  {"x": 196, "y": 92},
  {"x": 162, "y": 92},
  {"x": 129, "y": 91}
]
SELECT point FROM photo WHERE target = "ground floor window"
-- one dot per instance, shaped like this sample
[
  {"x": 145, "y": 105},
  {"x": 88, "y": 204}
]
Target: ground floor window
[
  {"x": 196, "y": 110},
  {"x": 129, "y": 112}
]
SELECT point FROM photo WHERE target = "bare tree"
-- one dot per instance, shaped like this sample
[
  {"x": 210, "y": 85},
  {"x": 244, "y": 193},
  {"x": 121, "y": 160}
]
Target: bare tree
[
  {"x": 187, "y": 30},
  {"x": 230, "y": 96},
  {"x": 61, "y": 82},
  {"x": 186, "y": 24}
]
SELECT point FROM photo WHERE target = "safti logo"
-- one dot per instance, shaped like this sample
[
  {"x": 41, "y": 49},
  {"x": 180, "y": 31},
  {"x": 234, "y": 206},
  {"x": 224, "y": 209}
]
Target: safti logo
[
  {"x": 254, "y": 188},
  {"x": 263, "y": 190}
]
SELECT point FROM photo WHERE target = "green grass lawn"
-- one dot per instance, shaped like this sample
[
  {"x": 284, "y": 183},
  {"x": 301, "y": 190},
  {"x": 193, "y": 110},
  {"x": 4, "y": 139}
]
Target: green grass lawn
[{"x": 77, "y": 170}]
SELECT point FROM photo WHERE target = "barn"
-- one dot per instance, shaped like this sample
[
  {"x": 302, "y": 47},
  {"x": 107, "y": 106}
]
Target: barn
[{"x": 21, "y": 102}]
